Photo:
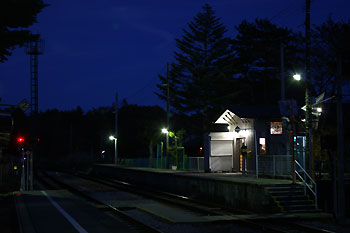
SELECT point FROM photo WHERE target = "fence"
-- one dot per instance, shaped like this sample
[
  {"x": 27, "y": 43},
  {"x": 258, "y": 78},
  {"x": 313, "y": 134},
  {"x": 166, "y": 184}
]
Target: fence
[
  {"x": 194, "y": 163},
  {"x": 275, "y": 165},
  {"x": 187, "y": 163}
]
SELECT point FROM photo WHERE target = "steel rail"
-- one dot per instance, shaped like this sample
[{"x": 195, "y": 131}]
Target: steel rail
[{"x": 141, "y": 225}]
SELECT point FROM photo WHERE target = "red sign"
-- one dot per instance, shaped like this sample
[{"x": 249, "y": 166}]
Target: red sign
[{"x": 276, "y": 128}]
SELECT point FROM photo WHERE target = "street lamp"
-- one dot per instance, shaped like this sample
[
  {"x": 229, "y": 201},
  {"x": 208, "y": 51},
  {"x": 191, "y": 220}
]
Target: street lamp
[
  {"x": 115, "y": 148},
  {"x": 308, "y": 118},
  {"x": 166, "y": 132},
  {"x": 297, "y": 77}
]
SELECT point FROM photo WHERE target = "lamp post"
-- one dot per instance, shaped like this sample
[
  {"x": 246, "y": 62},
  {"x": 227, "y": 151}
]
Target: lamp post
[
  {"x": 166, "y": 132},
  {"x": 308, "y": 118},
  {"x": 115, "y": 148}
]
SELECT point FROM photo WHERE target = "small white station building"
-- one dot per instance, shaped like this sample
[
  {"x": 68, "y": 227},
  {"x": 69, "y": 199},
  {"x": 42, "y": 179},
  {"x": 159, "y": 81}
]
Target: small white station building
[{"x": 259, "y": 128}]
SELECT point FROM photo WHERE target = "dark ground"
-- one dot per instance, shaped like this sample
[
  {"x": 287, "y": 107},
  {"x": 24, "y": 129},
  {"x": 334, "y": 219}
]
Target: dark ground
[{"x": 8, "y": 216}]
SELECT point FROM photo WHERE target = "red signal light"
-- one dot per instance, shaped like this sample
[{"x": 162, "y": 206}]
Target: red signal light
[{"x": 20, "y": 139}]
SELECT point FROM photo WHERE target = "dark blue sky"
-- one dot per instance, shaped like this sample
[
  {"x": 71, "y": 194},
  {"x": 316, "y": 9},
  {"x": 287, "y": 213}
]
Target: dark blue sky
[{"x": 95, "y": 48}]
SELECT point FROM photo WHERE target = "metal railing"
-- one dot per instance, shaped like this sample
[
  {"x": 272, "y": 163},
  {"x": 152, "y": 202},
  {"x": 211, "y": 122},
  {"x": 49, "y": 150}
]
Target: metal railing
[
  {"x": 313, "y": 189},
  {"x": 194, "y": 164},
  {"x": 187, "y": 163}
]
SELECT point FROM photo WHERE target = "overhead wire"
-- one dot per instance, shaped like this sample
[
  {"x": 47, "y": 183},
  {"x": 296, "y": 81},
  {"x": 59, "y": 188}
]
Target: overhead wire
[
  {"x": 136, "y": 93},
  {"x": 281, "y": 12},
  {"x": 291, "y": 8}
]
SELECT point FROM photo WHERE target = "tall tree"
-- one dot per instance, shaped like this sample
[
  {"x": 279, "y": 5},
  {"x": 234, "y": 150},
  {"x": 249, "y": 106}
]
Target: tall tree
[
  {"x": 330, "y": 39},
  {"x": 203, "y": 63},
  {"x": 257, "y": 47},
  {"x": 336, "y": 37},
  {"x": 14, "y": 16}
]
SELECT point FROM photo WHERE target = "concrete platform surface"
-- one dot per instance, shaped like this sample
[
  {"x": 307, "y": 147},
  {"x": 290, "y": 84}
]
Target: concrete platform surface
[
  {"x": 232, "y": 190},
  {"x": 230, "y": 176}
]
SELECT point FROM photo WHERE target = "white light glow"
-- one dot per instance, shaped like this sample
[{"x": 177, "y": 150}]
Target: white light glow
[
  {"x": 112, "y": 138},
  {"x": 297, "y": 77},
  {"x": 244, "y": 132},
  {"x": 164, "y": 130},
  {"x": 319, "y": 109}
]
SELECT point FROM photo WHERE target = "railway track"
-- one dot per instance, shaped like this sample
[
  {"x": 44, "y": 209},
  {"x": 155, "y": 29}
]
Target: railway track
[
  {"x": 48, "y": 181},
  {"x": 236, "y": 219}
]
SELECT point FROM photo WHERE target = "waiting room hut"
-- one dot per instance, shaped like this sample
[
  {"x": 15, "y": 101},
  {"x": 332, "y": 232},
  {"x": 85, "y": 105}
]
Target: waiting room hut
[{"x": 261, "y": 129}]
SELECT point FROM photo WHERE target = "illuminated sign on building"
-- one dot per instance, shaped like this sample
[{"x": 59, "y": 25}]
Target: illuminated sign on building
[{"x": 276, "y": 128}]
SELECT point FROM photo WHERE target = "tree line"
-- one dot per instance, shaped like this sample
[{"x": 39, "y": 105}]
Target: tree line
[
  {"x": 211, "y": 71},
  {"x": 74, "y": 138}
]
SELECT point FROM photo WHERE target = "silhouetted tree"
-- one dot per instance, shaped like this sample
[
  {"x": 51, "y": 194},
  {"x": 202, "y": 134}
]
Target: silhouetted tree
[
  {"x": 202, "y": 67},
  {"x": 15, "y": 15},
  {"x": 257, "y": 48},
  {"x": 330, "y": 39},
  {"x": 139, "y": 129},
  {"x": 331, "y": 43}
]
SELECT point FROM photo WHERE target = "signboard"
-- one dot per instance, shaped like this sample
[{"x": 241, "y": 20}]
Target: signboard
[{"x": 276, "y": 128}]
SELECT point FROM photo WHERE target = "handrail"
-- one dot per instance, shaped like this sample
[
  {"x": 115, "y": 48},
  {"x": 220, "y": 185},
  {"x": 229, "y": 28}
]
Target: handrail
[{"x": 305, "y": 183}]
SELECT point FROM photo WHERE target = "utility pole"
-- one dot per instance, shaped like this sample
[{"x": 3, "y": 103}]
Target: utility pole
[
  {"x": 291, "y": 115},
  {"x": 116, "y": 129},
  {"x": 283, "y": 95},
  {"x": 167, "y": 115},
  {"x": 308, "y": 88},
  {"x": 340, "y": 143}
]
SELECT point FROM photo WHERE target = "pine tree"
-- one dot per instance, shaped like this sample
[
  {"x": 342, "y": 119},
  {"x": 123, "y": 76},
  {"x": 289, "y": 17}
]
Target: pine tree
[
  {"x": 15, "y": 16},
  {"x": 202, "y": 67}
]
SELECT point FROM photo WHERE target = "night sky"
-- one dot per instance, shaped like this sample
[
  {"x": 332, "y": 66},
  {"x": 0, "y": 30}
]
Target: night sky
[{"x": 95, "y": 48}]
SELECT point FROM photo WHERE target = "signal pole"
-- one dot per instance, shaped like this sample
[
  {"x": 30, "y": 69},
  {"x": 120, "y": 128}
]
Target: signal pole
[{"x": 34, "y": 48}]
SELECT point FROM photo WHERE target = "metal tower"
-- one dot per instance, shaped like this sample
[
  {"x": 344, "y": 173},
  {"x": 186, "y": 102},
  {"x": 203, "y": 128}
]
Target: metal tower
[{"x": 34, "y": 48}]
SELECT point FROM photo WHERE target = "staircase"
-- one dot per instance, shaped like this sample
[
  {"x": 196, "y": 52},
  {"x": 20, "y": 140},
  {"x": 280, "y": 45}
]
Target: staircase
[{"x": 291, "y": 198}]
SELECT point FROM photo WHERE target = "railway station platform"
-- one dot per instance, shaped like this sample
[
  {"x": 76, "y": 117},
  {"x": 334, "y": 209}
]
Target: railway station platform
[{"x": 232, "y": 190}]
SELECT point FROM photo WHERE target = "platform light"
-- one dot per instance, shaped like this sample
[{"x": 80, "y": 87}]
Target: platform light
[
  {"x": 112, "y": 138},
  {"x": 319, "y": 109},
  {"x": 245, "y": 132},
  {"x": 297, "y": 77},
  {"x": 164, "y": 130}
]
